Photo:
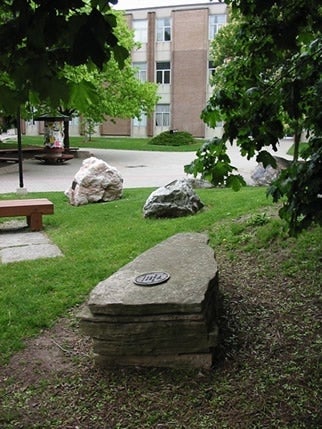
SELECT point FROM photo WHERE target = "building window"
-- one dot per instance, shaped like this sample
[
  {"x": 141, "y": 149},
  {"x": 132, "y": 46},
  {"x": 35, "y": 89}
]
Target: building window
[
  {"x": 140, "y": 27},
  {"x": 141, "y": 71},
  {"x": 162, "y": 115},
  {"x": 140, "y": 122},
  {"x": 163, "y": 72},
  {"x": 215, "y": 23},
  {"x": 211, "y": 70},
  {"x": 163, "y": 30},
  {"x": 74, "y": 122}
]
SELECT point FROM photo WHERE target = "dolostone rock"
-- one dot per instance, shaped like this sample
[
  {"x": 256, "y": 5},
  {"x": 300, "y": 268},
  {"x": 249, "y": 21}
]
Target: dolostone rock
[
  {"x": 197, "y": 183},
  {"x": 95, "y": 181},
  {"x": 176, "y": 199},
  {"x": 170, "y": 324},
  {"x": 262, "y": 176}
]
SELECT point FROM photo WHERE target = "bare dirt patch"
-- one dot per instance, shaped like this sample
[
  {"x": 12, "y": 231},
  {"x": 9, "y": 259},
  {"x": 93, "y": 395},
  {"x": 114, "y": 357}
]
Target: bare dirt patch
[{"x": 48, "y": 354}]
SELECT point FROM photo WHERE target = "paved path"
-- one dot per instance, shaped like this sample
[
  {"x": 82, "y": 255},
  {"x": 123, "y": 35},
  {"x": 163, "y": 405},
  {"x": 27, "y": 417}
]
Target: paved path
[
  {"x": 139, "y": 169},
  {"x": 17, "y": 243}
]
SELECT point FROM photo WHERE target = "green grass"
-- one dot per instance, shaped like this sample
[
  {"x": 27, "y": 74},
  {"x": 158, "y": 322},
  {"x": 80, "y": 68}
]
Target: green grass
[
  {"x": 121, "y": 143},
  {"x": 96, "y": 240},
  {"x": 303, "y": 146}
]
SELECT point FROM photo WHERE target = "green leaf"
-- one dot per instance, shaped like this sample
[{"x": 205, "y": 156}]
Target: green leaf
[
  {"x": 82, "y": 94},
  {"x": 266, "y": 159},
  {"x": 235, "y": 181},
  {"x": 120, "y": 55},
  {"x": 8, "y": 100}
]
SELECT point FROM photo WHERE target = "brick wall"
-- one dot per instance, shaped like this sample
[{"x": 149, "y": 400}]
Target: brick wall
[
  {"x": 189, "y": 69},
  {"x": 121, "y": 127}
]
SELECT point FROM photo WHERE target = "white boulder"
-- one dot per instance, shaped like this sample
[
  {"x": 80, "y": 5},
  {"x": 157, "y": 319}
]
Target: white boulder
[{"x": 95, "y": 181}]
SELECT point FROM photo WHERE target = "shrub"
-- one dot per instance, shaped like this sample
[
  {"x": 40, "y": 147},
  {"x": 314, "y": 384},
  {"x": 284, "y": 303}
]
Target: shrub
[{"x": 173, "y": 138}]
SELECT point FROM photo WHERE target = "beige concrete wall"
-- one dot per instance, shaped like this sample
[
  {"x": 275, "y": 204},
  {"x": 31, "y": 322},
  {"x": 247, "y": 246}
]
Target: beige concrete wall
[
  {"x": 151, "y": 64},
  {"x": 30, "y": 128}
]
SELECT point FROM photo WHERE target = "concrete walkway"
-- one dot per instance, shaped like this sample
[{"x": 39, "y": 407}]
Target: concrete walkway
[
  {"x": 139, "y": 169},
  {"x": 17, "y": 243}
]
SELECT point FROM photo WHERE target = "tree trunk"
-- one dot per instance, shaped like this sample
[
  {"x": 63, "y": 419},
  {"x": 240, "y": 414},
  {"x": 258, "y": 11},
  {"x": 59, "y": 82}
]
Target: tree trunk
[
  {"x": 297, "y": 140},
  {"x": 66, "y": 135},
  {"x": 295, "y": 114},
  {"x": 66, "y": 112}
]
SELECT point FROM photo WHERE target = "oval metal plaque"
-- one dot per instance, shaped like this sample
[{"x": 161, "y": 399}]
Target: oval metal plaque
[{"x": 151, "y": 279}]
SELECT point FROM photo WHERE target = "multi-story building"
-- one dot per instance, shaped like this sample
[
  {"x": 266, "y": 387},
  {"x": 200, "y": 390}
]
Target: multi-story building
[{"x": 175, "y": 53}]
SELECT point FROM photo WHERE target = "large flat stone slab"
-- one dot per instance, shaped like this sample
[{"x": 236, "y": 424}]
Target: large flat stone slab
[
  {"x": 188, "y": 260},
  {"x": 169, "y": 324}
]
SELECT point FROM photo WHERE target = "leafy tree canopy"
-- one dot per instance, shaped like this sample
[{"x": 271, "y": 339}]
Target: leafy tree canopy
[
  {"x": 112, "y": 91},
  {"x": 39, "y": 38},
  {"x": 268, "y": 83}
]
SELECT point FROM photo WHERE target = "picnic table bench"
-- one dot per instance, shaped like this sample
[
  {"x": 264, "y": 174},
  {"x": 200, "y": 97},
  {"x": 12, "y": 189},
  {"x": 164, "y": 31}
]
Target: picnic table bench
[
  {"x": 8, "y": 159},
  {"x": 33, "y": 209},
  {"x": 54, "y": 158}
]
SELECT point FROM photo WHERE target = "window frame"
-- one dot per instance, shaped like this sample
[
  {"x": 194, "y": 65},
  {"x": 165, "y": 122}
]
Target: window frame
[
  {"x": 141, "y": 70},
  {"x": 140, "y": 33},
  {"x": 211, "y": 71},
  {"x": 215, "y": 25},
  {"x": 163, "y": 72},
  {"x": 162, "y": 111},
  {"x": 162, "y": 29},
  {"x": 140, "y": 123}
]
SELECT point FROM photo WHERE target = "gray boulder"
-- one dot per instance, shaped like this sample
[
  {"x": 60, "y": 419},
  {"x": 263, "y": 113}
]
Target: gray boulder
[
  {"x": 173, "y": 200},
  {"x": 264, "y": 176},
  {"x": 197, "y": 183}
]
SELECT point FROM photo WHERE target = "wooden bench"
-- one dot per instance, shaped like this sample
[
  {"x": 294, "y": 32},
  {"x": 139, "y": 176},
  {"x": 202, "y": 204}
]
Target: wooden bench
[
  {"x": 54, "y": 158},
  {"x": 8, "y": 159},
  {"x": 32, "y": 209}
]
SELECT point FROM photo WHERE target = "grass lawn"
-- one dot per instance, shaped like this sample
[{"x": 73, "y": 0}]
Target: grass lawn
[
  {"x": 267, "y": 372},
  {"x": 125, "y": 143},
  {"x": 303, "y": 146},
  {"x": 96, "y": 240}
]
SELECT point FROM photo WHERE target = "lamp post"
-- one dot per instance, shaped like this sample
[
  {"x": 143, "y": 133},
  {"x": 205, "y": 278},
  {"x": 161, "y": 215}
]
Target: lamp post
[{"x": 21, "y": 189}]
